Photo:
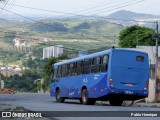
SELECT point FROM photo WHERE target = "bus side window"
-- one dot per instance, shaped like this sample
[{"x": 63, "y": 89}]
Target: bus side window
[
  {"x": 104, "y": 65},
  {"x": 52, "y": 75},
  {"x": 78, "y": 68},
  {"x": 71, "y": 69},
  {"x": 64, "y": 70},
  {"x": 59, "y": 72},
  {"x": 96, "y": 64},
  {"x": 55, "y": 73},
  {"x": 87, "y": 66}
]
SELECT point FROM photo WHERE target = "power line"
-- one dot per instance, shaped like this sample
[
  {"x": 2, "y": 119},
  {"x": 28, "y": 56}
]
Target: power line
[
  {"x": 44, "y": 23},
  {"x": 3, "y": 15},
  {"x": 74, "y": 14},
  {"x": 124, "y": 6},
  {"x": 4, "y": 6},
  {"x": 33, "y": 20},
  {"x": 88, "y": 6},
  {"x": 106, "y": 3},
  {"x": 66, "y": 13},
  {"x": 122, "y": 3},
  {"x": 40, "y": 22},
  {"x": 89, "y": 16},
  {"x": 117, "y": 7}
]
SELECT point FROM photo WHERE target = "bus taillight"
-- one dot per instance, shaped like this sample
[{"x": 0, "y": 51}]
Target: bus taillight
[
  {"x": 111, "y": 82},
  {"x": 147, "y": 84}
]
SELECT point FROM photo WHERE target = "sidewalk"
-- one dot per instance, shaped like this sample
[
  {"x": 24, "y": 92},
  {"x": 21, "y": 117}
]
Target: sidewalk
[
  {"x": 136, "y": 104},
  {"x": 143, "y": 104}
]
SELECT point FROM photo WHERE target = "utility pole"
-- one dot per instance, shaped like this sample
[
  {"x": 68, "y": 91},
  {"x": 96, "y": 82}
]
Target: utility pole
[{"x": 156, "y": 58}]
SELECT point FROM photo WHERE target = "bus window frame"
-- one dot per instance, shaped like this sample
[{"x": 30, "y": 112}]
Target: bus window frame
[
  {"x": 88, "y": 66},
  {"x": 52, "y": 75},
  {"x": 60, "y": 66},
  {"x": 106, "y": 64},
  {"x": 73, "y": 71},
  {"x": 55, "y": 73},
  {"x": 95, "y": 65},
  {"x": 78, "y": 68},
  {"x": 65, "y": 70}
]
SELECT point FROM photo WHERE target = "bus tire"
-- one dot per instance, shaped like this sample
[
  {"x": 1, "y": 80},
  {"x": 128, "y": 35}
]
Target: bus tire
[
  {"x": 115, "y": 102},
  {"x": 58, "y": 97},
  {"x": 86, "y": 100}
]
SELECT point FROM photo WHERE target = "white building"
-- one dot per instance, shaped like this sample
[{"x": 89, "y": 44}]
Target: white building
[
  {"x": 52, "y": 51},
  {"x": 21, "y": 42}
]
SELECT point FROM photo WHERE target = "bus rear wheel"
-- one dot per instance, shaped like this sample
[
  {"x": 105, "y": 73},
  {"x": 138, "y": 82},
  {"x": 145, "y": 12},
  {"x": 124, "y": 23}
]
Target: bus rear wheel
[
  {"x": 115, "y": 102},
  {"x": 86, "y": 100},
  {"x": 58, "y": 97}
]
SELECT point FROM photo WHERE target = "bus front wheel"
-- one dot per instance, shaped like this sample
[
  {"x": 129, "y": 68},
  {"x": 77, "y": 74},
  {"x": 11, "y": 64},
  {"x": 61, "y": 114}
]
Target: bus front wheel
[
  {"x": 58, "y": 97},
  {"x": 86, "y": 100}
]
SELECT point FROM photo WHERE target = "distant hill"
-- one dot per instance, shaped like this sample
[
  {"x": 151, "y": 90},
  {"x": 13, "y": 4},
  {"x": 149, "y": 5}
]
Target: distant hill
[
  {"x": 128, "y": 15},
  {"x": 49, "y": 27},
  {"x": 84, "y": 25},
  {"x": 90, "y": 27}
]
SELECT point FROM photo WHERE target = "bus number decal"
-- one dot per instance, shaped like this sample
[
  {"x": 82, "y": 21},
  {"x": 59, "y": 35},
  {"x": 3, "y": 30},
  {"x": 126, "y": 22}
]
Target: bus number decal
[
  {"x": 95, "y": 78},
  {"x": 85, "y": 80},
  {"x": 71, "y": 93}
]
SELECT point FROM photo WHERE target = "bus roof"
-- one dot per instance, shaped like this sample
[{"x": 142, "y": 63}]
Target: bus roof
[{"x": 94, "y": 55}]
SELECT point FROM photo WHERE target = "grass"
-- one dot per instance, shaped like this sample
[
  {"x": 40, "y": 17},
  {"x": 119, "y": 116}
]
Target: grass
[{"x": 99, "y": 36}]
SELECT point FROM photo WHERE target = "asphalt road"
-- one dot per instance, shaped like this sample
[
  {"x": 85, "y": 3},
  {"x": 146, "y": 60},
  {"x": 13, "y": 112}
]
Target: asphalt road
[{"x": 43, "y": 102}]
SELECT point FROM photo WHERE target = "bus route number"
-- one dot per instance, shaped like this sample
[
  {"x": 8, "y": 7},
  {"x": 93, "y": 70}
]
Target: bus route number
[{"x": 85, "y": 80}]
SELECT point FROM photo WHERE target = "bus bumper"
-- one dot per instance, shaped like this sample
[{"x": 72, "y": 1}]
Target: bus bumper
[{"x": 129, "y": 92}]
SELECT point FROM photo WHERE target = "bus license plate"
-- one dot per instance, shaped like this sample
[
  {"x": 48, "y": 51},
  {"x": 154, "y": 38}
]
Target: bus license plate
[{"x": 128, "y": 92}]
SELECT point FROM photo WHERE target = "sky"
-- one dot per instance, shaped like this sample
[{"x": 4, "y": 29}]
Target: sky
[{"x": 82, "y": 7}]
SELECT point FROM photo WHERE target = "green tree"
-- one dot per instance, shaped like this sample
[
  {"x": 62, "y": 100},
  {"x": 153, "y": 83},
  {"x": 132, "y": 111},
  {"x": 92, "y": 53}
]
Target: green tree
[
  {"x": 20, "y": 83},
  {"x": 9, "y": 37},
  {"x": 136, "y": 35},
  {"x": 48, "y": 69},
  {"x": 47, "y": 72}
]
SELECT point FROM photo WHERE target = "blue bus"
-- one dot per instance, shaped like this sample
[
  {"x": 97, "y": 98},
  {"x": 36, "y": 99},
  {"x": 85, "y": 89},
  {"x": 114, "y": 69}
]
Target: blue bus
[{"x": 112, "y": 75}]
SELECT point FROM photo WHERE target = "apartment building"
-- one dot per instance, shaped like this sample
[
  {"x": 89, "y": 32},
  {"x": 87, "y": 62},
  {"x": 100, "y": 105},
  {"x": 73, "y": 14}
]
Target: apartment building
[{"x": 52, "y": 51}]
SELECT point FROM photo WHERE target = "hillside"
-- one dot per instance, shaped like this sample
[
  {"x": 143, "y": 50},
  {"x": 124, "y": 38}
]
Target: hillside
[
  {"x": 91, "y": 27},
  {"x": 74, "y": 35},
  {"x": 49, "y": 27},
  {"x": 128, "y": 15}
]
